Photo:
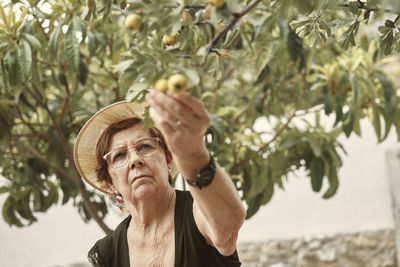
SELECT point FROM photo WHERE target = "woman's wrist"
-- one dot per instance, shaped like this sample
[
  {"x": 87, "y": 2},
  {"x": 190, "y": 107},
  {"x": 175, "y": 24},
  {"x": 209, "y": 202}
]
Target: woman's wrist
[{"x": 192, "y": 164}]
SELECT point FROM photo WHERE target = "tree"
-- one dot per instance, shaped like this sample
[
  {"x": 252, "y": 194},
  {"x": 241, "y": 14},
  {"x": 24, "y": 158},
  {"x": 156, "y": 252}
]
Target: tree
[{"x": 61, "y": 61}]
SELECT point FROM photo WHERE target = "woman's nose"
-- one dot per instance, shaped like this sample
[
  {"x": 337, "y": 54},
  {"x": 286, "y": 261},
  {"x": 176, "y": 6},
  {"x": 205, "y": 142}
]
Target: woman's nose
[{"x": 135, "y": 160}]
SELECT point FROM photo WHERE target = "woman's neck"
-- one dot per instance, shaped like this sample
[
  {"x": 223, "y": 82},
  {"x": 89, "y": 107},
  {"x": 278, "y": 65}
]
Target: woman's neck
[{"x": 149, "y": 214}]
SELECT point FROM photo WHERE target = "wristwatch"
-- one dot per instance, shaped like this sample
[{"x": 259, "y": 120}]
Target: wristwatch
[{"x": 205, "y": 176}]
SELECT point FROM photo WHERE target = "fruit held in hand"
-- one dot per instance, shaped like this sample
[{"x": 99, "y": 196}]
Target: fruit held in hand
[
  {"x": 177, "y": 83},
  {"x": 170, "y": 39},
  {"x": 161, "y": 85},
  {"x": 133, "y": 22},
  {"x": 216, "y": 3}
]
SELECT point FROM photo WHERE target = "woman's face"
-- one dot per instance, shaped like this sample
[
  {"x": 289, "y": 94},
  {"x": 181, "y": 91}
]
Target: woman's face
[{"x": 141, "y": 177}]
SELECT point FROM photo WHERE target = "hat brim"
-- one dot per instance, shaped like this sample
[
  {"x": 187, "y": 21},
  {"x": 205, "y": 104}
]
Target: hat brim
[{"x": 86, "y": 141}]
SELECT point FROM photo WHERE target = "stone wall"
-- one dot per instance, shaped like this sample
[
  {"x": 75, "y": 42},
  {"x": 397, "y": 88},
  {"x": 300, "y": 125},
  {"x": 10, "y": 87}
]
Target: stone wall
[{"x": 365, "y": 249}]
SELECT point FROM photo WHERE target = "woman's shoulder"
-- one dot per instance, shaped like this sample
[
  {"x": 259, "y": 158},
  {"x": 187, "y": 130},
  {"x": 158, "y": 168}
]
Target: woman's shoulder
[
  {"x": 101, "y": 252},
  {"x": 109, "y": 240}
]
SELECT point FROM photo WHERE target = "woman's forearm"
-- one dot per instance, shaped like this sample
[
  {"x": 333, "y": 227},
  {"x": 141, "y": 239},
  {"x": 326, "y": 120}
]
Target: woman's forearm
[{"x": 217, "y": 207}]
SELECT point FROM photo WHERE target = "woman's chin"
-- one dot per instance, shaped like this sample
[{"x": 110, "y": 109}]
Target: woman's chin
[{"x": 144, "y": 191}]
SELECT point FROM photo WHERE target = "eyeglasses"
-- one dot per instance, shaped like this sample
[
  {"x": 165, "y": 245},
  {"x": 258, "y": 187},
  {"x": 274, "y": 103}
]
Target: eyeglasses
[{"x": 119, "y": 157}]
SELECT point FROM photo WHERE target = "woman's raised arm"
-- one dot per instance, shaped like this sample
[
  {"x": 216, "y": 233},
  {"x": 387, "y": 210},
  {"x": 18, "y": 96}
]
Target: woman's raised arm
[{"x": 217, "y": 209}]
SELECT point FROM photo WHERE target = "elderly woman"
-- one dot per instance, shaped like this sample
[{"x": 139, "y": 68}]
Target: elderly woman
[{"x": 165, "y": 227}]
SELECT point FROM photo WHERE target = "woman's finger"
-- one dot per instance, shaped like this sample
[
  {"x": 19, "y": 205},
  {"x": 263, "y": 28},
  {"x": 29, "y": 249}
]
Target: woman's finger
[
  {"x": 165, "y": 126},
  {"x": 175, "y": 109},
  {"x": 196, "y": 105}
]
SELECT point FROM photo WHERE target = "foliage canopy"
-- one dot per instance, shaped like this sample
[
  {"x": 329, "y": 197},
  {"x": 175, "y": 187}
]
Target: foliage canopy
[{"x": 62, "y": 60}]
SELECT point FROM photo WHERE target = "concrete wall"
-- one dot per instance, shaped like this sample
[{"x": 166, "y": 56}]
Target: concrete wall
[{"x": 393, "y": 167}]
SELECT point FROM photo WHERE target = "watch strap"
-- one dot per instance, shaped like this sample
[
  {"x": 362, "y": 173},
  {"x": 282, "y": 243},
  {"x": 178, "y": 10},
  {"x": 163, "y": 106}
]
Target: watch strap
[{"x": 205, "y": 176}]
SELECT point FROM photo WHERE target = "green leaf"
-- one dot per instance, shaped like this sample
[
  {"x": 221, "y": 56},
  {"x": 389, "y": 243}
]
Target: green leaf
[
  {"x": 328, "y": 103},
  {"x": 231, "y": 37},
  {"x": 317, "y": 151},
  {"x": 389, "y": 93},
  {"x": 32, "y": 40},
  {"x": 353, "y": 7},
  {"x": 317, "y": 172},
  {"x": 52, "y": 196},
  {"x": 25, "y": 59},
  {"x": 217, "y": 129},
  {"x": 53, "y": 41},
  {"x": 11, "y": 61},
  {"x": 388, "y": 124},
  {"x": 376, "y": 121},
  {"x": 147, "y": 121},
  {"x": 91, "y": 44},
  {"x": 253, "y": 205},
  {"x": 333, "y": 183},
  {"x": 193, "y": 77},
  {"x": 348, "y": 124},
  {"x": 9, "y": 213},
  {"x": 23, "y": 209},
  {"x": 295, "y": 45},
  {"x": 71, "y": 46},
  {"x": 124, "y": 65},
  {"x": 38, "y": 199},
  {"x": 137, "y": 92},
  {"x": 83, "y": 73},
  {"x": 389, "y": 24},
  {"x": 4, "y": 189},
  {"x": 355, "y": 86}
]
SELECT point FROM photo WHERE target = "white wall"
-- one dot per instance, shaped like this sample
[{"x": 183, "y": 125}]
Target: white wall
[{"x": 362, "y": 203}]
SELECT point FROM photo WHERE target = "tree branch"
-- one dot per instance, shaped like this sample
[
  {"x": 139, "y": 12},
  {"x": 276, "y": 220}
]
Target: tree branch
[
  {"x": 186, "y": 6},
  {"x": 396, "y": 19},
  {"x": 44, "y": 62},
  {"x": 81, "y": 186},
  {"x": 385, "y": 10},
  {"x": 236, "y": 17},
  {"x": 234, "y": 169},
  {"x": 92, "y": 209}
]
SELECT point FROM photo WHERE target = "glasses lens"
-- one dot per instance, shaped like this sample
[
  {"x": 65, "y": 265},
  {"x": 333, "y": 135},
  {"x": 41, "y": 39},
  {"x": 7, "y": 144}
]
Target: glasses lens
[
  {"x": 119, "y": 157},
  {"x": 145, "y": 147}
]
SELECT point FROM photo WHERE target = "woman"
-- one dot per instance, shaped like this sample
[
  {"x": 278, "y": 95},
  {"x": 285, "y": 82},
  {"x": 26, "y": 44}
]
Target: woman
[{"x": 166, "y": 227}]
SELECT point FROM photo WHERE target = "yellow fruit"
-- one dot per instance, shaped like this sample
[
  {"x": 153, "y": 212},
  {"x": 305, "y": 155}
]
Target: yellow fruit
[
  {"x": 133, "y": 22},
  {"x": 161, "y": 85},
  {"x": 216, "y": 3},
  {"x": 170, "y": 39},
  {"x": 177, "y": 83}
]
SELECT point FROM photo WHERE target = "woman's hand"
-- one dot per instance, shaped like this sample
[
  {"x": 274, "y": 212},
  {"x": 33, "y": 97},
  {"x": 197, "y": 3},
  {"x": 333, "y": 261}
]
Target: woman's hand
[{"x": 183, "y": 120}]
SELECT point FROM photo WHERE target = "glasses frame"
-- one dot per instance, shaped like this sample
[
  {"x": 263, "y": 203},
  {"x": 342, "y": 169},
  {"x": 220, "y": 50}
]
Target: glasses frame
[{"x": 156, "y": 139}]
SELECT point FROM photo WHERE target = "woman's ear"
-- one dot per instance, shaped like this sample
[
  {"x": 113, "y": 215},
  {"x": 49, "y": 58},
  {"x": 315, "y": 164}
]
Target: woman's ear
[
  {"x": 110, "y": 184},
  {"x": 168, "y": 156}
]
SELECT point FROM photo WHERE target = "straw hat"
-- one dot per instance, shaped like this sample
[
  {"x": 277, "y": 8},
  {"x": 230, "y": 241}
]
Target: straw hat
[{"x": 85, "y": 145}]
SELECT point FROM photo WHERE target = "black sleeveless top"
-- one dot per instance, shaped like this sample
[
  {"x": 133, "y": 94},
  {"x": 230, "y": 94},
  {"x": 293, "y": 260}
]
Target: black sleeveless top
[{"x": 191, "y": 249}]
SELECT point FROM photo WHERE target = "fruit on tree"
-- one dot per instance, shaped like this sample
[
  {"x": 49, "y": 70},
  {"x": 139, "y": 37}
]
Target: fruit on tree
[
  {"x": 170, "y": 40},
  {"x": 161, "y": 85},
  {"x": 177, "y": 83},
  {"x": 216, "y": 3},
  {"x": 133, "y": 21}
]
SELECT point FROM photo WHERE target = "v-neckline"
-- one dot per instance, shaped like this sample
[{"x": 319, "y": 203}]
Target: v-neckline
[{"x": 128, "y": 220}]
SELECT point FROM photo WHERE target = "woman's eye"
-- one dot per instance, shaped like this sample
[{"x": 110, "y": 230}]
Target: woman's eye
[
  {"x": 118, "y": 156},
  {"x": 144, "y": 147}
]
